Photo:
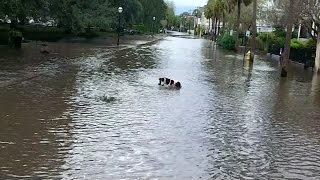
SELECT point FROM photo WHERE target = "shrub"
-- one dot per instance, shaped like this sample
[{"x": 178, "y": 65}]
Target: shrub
[
  {"x": 295, "y": 43},
  {"x": 277, "y": 40},
  {"x": 262, "y": 37},
  {"x": 33, "y": 32},
  {"x": 42, "y": 33},
  {"x": 140, "y": 27},
  {"x": 227, "y": 41},
  {"x": 4, "y": 30},
  {"x": 311, "y": 43},
  {"x": 3, "y": 37},
  {"x": 279, "y": 32},
  {"x": 262, "y": 41}
]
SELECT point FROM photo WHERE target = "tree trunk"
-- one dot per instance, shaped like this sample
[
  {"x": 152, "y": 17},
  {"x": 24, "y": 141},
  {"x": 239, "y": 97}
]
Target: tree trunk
[
  {"x": 213, "y": 28},
  {"x": 254, "y": 28},
  {"x": 223, "y": 21},
  {"x": 218, "y": 28},
  {"x": 237, "y": 26},
  {"x": 286, "y": 53},
  {"x": 213, "y": 25},
  {"x": 209, "y": 23},
  {"x": 317, "y": 59}
]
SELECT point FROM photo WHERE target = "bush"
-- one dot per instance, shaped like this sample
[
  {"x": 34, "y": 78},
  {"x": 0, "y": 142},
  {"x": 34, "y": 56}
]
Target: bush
[
  {"x": 298, "y": 54},
  {"x": 33, "y": 32},
  {"x": 279, "y": 32},
  {"x": 262, "y": 41},
  {"x": 3, "y": 37},
  {"x": 296, "y": 44},
  {"x": 4, "y": 30},
  {"x": 42, "y": 33},
  {"x": 140, "y": 27},
  {"x": 300, "y": 51},
  {"x": 311, "y": 43},
  {"x": 227, "y": 41},
  {"x": 276, "y": 41},
  {"x": 303, "y": 51},
  {"x": 262, "y": 37}
]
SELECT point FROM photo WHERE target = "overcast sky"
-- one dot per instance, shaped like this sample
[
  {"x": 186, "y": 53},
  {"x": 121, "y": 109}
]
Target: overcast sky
[{"x": 186, "y": 5}]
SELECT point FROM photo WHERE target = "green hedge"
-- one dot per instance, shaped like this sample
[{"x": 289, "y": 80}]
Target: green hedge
[
  {"x": 227, "y": 41},
  {"x": 311, "y": 43},
  {"x": 3, "y": 37},
  {"x": 42, "y": 33},
  {"x": 296, "y": 44},
  {"x": 4, "y": 30},
  {"x": 140, "y": 27},
  {"x": 33, "y": 32}
]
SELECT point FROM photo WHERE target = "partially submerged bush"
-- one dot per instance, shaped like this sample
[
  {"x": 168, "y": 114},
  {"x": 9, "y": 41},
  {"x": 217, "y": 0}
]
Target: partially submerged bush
[{"x": 227, "y": 41}]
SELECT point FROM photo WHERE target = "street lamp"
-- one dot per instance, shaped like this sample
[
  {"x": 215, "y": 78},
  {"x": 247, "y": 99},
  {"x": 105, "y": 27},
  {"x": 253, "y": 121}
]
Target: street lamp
[
  {"x": 120, "y": 9},
  {"x": 189, "y": 24},
  {"x": 195, "y": 18},
  {"x": 185, "y": 23},
  {"x": 154, "y": 19}
]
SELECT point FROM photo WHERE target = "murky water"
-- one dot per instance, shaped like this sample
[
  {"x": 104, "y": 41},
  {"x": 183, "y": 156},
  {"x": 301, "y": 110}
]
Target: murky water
[{"x": 101, "y": 115}]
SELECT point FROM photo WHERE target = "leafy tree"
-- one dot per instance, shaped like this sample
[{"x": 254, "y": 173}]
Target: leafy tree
[
  {"x": 153, "y": 8},
  {"x": 170, "y": 15},
  {"x": 216, "y": 10},
  {"x": 208, "y": 12},
  {"x": 196, "y": 13},
  {"x": 19, "y": 10},
  {"x": 310, "y": 16},
  {"x": 78, "y": 15},
  {"x": 132, "y": 11},
  {"x": 239, "y": 2},
  {"x": 290, "y": 21},
  {"x": 254, "y": 27}
]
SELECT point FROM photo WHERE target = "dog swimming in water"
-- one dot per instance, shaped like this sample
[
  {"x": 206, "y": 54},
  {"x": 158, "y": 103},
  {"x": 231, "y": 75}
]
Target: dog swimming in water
[{"x": 169, "y": 83}]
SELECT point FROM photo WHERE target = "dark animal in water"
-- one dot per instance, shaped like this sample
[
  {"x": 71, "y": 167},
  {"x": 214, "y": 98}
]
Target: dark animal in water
[{"x": 169, "y": 82}]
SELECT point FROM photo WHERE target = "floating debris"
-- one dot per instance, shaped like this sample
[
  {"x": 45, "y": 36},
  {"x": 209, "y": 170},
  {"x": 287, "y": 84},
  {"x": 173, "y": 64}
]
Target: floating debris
[{"x": 108, "y": 99}]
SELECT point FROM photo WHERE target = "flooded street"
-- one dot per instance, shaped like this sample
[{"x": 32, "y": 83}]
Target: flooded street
[{"x": 100, "y": 114}]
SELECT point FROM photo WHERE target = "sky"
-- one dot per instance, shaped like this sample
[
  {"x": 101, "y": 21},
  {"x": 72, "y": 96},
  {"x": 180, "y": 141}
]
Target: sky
[{"x": 187, "y": 5}]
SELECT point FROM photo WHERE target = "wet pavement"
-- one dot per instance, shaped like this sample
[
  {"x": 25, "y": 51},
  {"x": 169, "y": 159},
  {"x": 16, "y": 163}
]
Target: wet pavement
[{"x": 99, "y": 114}]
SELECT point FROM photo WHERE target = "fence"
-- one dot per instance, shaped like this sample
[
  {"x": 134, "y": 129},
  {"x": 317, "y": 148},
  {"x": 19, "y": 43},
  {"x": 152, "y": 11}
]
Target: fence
[{"x": 305, "y": 56}]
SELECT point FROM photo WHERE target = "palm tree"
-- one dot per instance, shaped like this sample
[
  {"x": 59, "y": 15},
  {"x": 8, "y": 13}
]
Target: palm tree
[
  {"x": 208, "y": 13},
  {"x": 254, "y": 28},
  {"x": 214, "y": 10},
  {"x": 225, "y": 10},
  {"x": 238, "y": 2},
  {"x": 197, "y": 14},
  {"x": 286, "y": 53},
  {"x": 218, "y": 9}
]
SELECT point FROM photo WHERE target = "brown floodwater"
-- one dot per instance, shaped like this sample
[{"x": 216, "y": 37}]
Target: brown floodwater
[{"x": 95, "y": 112}]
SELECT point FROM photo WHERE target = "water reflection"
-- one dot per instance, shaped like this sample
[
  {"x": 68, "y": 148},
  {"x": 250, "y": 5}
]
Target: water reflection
[{"x": 34, "y": 128}]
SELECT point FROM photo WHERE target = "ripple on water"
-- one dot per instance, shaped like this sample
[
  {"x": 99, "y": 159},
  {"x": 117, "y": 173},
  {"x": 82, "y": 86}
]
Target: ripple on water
[{"x": 226, "y": 122}]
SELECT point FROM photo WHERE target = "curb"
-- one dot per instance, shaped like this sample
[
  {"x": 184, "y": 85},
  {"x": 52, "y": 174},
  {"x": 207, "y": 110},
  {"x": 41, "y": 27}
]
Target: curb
[{"x": 150, "y": 42}]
